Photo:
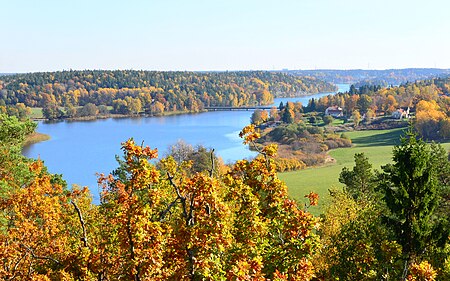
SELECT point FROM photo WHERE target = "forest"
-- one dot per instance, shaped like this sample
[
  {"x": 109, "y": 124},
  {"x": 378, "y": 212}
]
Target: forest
[
  {"x": 171, "y": 221},
  {"x": 384, "y": 77},
  {"x": 69, "y": 94}
]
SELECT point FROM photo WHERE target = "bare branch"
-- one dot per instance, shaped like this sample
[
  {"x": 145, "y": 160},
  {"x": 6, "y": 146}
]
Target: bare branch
[
  {"x": 80, "y": 217},
  {"x": 266, "y": 157},
  {"x": 40, "y": 257},
  {"x": 179, "y": 196},
  {"x": 162, "y": 214},
  {"x": 190, "y": 219},
  {"x": 211, "y": 171}
]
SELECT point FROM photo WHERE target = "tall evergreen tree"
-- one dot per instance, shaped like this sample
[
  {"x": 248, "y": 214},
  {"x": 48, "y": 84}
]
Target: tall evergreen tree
[
  {"x": 360, "y": 181},
  {"x": 411, "y": 191}
]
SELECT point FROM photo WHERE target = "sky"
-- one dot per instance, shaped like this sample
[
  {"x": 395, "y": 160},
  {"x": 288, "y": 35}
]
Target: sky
[{"x": 202, "y": 35}]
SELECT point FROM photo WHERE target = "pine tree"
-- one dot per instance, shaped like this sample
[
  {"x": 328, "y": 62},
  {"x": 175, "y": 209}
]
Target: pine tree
[
  {"x": 411, "y": 191},
  {"x": 360, "y": 181}
]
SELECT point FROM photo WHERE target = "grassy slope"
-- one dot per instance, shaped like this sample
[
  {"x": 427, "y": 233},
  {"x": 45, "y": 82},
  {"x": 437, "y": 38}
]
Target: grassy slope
[
  {"x": 377, "y": 145},
  {"x": 36, "y": 112}
]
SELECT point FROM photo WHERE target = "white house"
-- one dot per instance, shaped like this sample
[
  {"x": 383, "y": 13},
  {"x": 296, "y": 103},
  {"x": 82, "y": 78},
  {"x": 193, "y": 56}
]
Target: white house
[
  {"x": 334, "y": 111},
  {"x": 401, "y": 113}
]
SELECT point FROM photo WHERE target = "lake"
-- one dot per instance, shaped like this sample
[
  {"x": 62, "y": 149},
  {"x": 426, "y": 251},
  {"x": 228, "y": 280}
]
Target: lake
[{"x": 80, "y": 149}]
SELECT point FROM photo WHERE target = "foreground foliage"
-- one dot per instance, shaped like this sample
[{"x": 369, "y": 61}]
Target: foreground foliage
[
  {"x": 170, "y": 223},
  {"x": 176, "y": 220},
  {"x": 393, "y": 224}
]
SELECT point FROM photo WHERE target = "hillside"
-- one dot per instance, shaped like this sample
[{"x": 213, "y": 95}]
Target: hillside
[{"x": 131, "y": 92}]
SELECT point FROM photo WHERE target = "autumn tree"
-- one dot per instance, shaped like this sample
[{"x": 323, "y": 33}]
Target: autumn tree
[
  {"x": 38, "y": 226},
  {"x": 429, "y": 120},
  {"x": 89, "y": 109},
  {"x": 279, "y": 230},
  {"x": 157, "y": 108},
  {"x": 274, "y": 114},
  {"x": 364, "y": 103},
  {"x": 389, "y": 104},
  {"x": 288, "y": 113},
  {"x": 259, "y": 116},
  {"x": 134, "y": 105},
  {"x": 356, "y": 117},
  {"x": 132, "y": 245},
  {"x": 370, "y": 114},
  {"x": 52, "y": 111},
  {"x": 355, "y": 243},
  {"x": 70, "y": 111},
  {"x": 120, "y": 106}
]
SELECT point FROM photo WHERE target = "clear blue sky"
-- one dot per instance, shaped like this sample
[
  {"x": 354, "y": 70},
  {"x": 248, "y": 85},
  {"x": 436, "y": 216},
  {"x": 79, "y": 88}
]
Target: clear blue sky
[{"x": 49, "y": 35}]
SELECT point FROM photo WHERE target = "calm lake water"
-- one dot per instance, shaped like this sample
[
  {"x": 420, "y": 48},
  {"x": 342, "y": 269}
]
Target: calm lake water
[{"x": 80, "y": 149}]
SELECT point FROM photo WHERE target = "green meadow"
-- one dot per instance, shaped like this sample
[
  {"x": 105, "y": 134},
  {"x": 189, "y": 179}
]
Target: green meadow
[
  {"x": 36, "y": 113},
  {"x": 377, "y": 145}
]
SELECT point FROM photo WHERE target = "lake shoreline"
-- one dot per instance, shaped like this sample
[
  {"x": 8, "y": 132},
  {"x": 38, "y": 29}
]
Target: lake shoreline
[
  {"x": 100, "y": 117},
  {"x": 167, "y": 113},
  {"x": 35, "y": 137},
  {"x": 91, "y": 145}
]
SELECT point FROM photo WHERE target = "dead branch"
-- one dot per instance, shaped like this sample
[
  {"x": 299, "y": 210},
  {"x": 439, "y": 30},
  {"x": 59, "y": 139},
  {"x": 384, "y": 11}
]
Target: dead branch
[
  {"x": 80, "y": 217},
  {"x": 211, "y": 171}
]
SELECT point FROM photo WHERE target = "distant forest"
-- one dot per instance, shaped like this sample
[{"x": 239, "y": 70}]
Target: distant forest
[
  {"x": 360, "y": 77},
  {"x": 154, "y": 92}
]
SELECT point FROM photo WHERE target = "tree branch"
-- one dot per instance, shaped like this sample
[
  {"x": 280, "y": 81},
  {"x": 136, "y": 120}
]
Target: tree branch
[
  {"x": 211, "y": 171},
  {"x": 162, "y": 214},
  {"x": 190, "y": 219},
  {"x": 40, "y": 257},
  {"x": 179, "y": 196},
  {"x": 80, "y": 217}
]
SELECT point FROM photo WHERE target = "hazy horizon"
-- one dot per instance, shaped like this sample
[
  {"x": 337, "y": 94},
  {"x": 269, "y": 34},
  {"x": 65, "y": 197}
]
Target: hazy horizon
[{"x": 231, "y": 70}]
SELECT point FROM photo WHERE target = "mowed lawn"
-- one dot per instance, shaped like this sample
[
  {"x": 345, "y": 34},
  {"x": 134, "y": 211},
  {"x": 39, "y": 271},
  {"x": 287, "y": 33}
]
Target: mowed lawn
[{"x": 377, "y": 145}]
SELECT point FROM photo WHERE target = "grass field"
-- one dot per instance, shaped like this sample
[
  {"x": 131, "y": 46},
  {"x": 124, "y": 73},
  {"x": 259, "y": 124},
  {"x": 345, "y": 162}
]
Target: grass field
[
  {"x": 376, "y": 145},
  {"x": 36, "y": 112}
]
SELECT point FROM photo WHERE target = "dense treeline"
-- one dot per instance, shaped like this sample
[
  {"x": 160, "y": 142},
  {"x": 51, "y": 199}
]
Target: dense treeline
[
  {"x": 172, "y": 221},
  {"x": 373, "y": 77},
  {"x": 152, "y": 92}
]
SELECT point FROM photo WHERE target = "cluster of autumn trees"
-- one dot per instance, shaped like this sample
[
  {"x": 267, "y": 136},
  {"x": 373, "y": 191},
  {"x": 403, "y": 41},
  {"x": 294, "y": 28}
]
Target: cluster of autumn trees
[
  {"x": 154, "y": 222},
  {"x": 301, "y": 143},
  {"x": 153, "y": 92},
  {"x": 20, "y": 110},
  {"x": 169, "y": 221},
  {"x": 429, "y": 99}
]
